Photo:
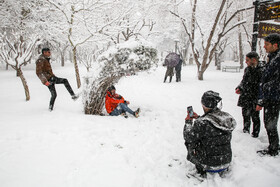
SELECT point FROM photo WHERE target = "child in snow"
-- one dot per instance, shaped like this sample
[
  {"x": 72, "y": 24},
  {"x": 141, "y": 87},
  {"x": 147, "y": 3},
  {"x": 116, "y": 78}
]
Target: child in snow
[
  {"x": 208, "y": 140},
  {"x": 116, "y": 105}
]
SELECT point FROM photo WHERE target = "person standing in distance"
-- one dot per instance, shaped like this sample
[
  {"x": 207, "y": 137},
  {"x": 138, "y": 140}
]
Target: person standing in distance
[{"x": 47, "y": 77}]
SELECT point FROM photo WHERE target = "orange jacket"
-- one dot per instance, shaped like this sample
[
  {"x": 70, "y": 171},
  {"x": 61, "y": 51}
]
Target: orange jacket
[{"x": 112, "y": 101}]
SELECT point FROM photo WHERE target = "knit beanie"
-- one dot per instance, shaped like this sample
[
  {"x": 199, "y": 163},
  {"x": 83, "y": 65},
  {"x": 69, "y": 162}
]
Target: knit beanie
[{"x": 210, "y": 99}]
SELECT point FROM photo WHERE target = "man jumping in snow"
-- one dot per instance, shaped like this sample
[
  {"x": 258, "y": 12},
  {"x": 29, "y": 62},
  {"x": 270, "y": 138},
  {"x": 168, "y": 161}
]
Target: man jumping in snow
[
  {"x": 116, "y": 105},
  {"x": 208, "y": 140},
  {"x": 45, "y": 74}
]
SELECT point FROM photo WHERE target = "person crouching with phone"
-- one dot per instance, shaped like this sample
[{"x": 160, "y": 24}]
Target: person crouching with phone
[{"x": 208, "y": 139}]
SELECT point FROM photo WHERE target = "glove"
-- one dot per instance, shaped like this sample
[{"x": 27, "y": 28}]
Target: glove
[
  {"x": 127, "y": 102},
  {"x": 237, "y": 91},
  {"x": 47, "y": 83},
  {"x": 195, "y": 116},
  {"x": 258, "y": 108},
  {"x": 118, "y": 96}
]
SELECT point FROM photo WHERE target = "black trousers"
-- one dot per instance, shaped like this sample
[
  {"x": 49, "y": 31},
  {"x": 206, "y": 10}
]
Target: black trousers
[
  {"x": 271, "y": 115},
  {"x": 249, "y": 113},
  {"x": 57, "y": 80},
  {"x": 178, "y": 75}
]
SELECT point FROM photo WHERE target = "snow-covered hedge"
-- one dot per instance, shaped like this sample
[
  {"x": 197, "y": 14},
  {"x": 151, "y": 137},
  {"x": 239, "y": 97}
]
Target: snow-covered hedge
[
  {"x": 128, "y": 58},
  {"x": 123, "y": 59}
]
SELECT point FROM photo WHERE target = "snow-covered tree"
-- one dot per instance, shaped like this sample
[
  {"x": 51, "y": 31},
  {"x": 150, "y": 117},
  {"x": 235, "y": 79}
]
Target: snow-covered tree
[
  {"x": 84, "y": 20},
  {"x": 212, "y": 32},
  {"x": 16, "y": 52},
  {"x": 123, "y": 59}
]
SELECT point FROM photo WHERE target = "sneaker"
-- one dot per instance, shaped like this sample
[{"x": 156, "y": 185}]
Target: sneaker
[
  {"x": 124, "y": 115},
  {"x": 136, "y": 113},
  {"x": 51, "y": 108},
  {"x": 268, "y": 152},
  {"x": 254, "y": 135},
  {"x": 75, "y": 97}
]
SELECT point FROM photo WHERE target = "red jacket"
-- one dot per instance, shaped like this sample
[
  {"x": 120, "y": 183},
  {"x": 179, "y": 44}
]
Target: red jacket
[{"x": 112, "y": 101}]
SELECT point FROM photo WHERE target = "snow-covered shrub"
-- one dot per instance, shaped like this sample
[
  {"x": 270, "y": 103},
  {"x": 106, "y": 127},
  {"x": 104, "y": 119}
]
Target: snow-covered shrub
[
  {"x": 94, "y": 94},
  {"x": 129, "y": 57},
  {"x": 123, "y": 59}
]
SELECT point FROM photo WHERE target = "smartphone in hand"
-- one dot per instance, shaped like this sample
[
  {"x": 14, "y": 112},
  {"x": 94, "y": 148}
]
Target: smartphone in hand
[{"x": 190, "y": 111}]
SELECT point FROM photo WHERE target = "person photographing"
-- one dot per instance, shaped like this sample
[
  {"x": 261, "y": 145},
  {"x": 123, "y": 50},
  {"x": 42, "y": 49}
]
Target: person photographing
[{"x": 208, "y": 138}]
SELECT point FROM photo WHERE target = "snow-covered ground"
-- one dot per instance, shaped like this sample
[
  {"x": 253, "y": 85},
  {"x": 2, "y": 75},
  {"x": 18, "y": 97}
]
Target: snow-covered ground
[{"x": 66, "y": 148}]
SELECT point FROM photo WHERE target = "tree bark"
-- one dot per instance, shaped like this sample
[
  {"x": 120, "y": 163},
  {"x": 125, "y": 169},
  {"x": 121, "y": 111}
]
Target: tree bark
[
  {"x": 24, "y": 83},
  {"x": 74, "y": 50},
  {"x": 204, "y": 64},
  {"x": 200, "y": 75},
  {"x": 62, "y": 60},
  {"x": 241, "y": 55}
]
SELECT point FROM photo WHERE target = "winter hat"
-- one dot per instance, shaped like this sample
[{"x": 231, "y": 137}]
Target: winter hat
[
  {"x": 111, "y": 88},
  {"x": 210, "y": 99}
]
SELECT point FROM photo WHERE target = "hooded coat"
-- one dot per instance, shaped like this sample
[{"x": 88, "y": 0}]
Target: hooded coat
[
  {"x": 208, "y": 140},
  {"x": 112, "y": 101}
]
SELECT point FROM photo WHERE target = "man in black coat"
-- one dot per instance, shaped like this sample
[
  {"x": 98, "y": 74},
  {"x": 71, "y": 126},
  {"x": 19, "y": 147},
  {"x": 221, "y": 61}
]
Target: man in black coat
[
  {"x": 248, "y": 90},
  {"x": 208, "y": 140},
  {"x": 178, "y": 69},
  {"x": 269, "y": 96}
]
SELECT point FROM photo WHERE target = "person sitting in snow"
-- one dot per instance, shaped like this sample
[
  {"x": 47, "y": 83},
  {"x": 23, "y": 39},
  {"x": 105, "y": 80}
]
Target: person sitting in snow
[
  {"x": 208, "y": 139},
  {"x": 116, "y": 105}
]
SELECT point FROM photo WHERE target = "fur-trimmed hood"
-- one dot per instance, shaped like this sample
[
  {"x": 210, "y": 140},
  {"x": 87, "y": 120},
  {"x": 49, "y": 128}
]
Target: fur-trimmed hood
[{"x": 221, "y": 120}]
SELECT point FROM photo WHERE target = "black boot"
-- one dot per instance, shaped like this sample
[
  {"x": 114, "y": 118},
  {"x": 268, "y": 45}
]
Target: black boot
[
  {"x": 255, "y": 134},
  {"x": 268, "y": 152},
  {"x": 136, "y": 113},
  {"x": 75, "y": 97},
  {"x": 51, "y": 108}
]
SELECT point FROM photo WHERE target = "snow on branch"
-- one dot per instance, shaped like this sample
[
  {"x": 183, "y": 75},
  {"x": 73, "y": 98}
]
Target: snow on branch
[{"x": 17, "y": 51}]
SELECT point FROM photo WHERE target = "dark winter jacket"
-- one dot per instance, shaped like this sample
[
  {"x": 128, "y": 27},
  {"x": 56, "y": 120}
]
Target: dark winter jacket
[
  {"x": 178, "y": 67},
  {"x": 270, "y": 81},
  {"x": 44, "y": 69},
  {"x": 249, "y": 87},
  {"x": 208, "y": 140},
  {"x": 169, "y": 71}
]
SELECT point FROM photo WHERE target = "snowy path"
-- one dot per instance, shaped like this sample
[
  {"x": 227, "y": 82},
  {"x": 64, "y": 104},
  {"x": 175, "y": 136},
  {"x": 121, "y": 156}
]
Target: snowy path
[{"x": 66, "y": 148}]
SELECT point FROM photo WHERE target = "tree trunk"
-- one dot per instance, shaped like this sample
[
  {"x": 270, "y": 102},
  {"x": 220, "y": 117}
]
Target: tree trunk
[
  {"x": 200, "y": 75},
  {"x": 24, "y": 83},
  {"x": 76, "y": 67},
  {"x": 241, "y": 55},
  {"x": 62, "y": 59},
  {"x": 218, "y": 60}
]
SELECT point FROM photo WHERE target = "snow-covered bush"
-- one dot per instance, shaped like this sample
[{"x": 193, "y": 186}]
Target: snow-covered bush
[
  {"x": 128, "y": 58},
  {"x": 121, "y": 60}
]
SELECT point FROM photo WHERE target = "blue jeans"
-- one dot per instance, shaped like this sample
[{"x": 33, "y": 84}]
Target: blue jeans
[{"x": 121, "y": 108}]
